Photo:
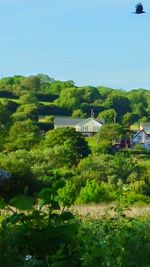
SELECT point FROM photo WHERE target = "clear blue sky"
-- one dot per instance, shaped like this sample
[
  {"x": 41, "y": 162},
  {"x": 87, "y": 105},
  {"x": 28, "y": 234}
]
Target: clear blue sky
[{"x": 92, "y": 42}]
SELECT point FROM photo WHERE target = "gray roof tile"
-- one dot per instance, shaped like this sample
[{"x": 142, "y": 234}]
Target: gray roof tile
[{"x": 67, "y": 121}]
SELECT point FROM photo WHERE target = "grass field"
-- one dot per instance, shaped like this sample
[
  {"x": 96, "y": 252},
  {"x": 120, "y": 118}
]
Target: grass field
[
  {"x": 91, "y": 141},
  {"x": 19, "y": 102},
  {"x": 95, "y": 211},
  {"x": 12, "y": 99}
]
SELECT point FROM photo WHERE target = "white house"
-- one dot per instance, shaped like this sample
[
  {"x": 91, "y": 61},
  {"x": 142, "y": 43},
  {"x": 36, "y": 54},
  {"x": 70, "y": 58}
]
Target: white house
[
  {"x": 142, "y": 138},
  {"x": 87, "y": 127}
]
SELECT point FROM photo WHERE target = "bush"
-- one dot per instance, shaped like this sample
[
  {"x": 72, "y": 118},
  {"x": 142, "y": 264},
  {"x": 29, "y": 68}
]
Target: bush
[
  {"x": 94, "y": 192},
  {"x": 104, "y": 147},
  {"x": 134, "y": 197},
  {"x": 116, "y": 242},
  {"x": 67, "y": 194}
]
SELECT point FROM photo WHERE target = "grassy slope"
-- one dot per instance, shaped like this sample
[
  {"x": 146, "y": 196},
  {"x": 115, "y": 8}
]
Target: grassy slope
[
  {"x": 91, "y": 141},
  {"x": 12, "y": 99}
]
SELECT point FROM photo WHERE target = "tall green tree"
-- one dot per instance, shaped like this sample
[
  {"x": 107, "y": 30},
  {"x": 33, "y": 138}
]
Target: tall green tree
[
  {"x": 31, "y": 83},
  {"x": 123, "y": 166},
  {"x": 90, "y": 94},
  {"x": 28, "y": 98},
  {"x": 69, "y": 98},
  {"x": 26, "y": 111},
  {"x": 78, "y": 113},
  {"x": 71, "y": 141},
  {"x": 110, "y": 132},
  {"x": 119, "y": 102},
  {"x": 109, "y": 116},
  {"x": 23, "y": 135}
]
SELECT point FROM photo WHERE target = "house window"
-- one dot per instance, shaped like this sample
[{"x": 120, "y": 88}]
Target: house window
[{"x": 84, "y": 128}]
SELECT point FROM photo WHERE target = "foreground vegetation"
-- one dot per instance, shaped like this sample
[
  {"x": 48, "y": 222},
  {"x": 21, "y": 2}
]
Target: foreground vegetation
[
  {"x": 43, "y": 172},
  {"x": 43, "y": 235}
]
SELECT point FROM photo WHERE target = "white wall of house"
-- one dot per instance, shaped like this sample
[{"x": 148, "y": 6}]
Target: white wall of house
[{"x": 89, "y": 126}]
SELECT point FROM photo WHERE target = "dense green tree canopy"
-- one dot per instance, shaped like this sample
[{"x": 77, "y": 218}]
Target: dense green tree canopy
[
  {"x": 4, "y": 115},
  {"x": 67, "y": 96},
  {"x": 45, "y": 79},
  {"x": 110, "y": 132},
  {"x": 90, "y": 94},
  {"x": 108, "y": 116},
  {"x": 31, "y": 83},
  {"x": 78, "y": 113},
  {"x": 23, "y": 135},
  {"x": 120, "y": 103},
  {"x": 6, "y": 83},
  {"x": 26, "y": 111},
  {"x": 28, "y": 98},
  {"x": 71, "y": 141}
]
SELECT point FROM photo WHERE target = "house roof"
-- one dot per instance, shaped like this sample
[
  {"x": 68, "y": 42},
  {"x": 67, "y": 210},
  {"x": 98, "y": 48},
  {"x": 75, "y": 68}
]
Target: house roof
[
  {"x": 146, "y": 127},
  {"x": 145, "y": 124},
  {"x": 71, "y": 122},
  {"x": 139, "y": 133},
  {"x": 89, "y": 119},
  {"x": 67, "y": 121}
]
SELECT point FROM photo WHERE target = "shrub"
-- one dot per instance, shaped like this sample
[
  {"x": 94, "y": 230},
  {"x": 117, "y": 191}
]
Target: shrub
[
  {"x": 94, "y": 192},
  {"x": 67, "y": 194},
  {"x": 104, "y": 147}
]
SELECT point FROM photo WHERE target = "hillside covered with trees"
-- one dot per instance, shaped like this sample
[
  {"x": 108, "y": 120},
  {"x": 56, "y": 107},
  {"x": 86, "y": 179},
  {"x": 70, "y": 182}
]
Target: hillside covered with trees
[
  {"x": 46, "y": 96},
  {"x": 34, "y": 154},
  {"x": 44, "y": 171}
]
